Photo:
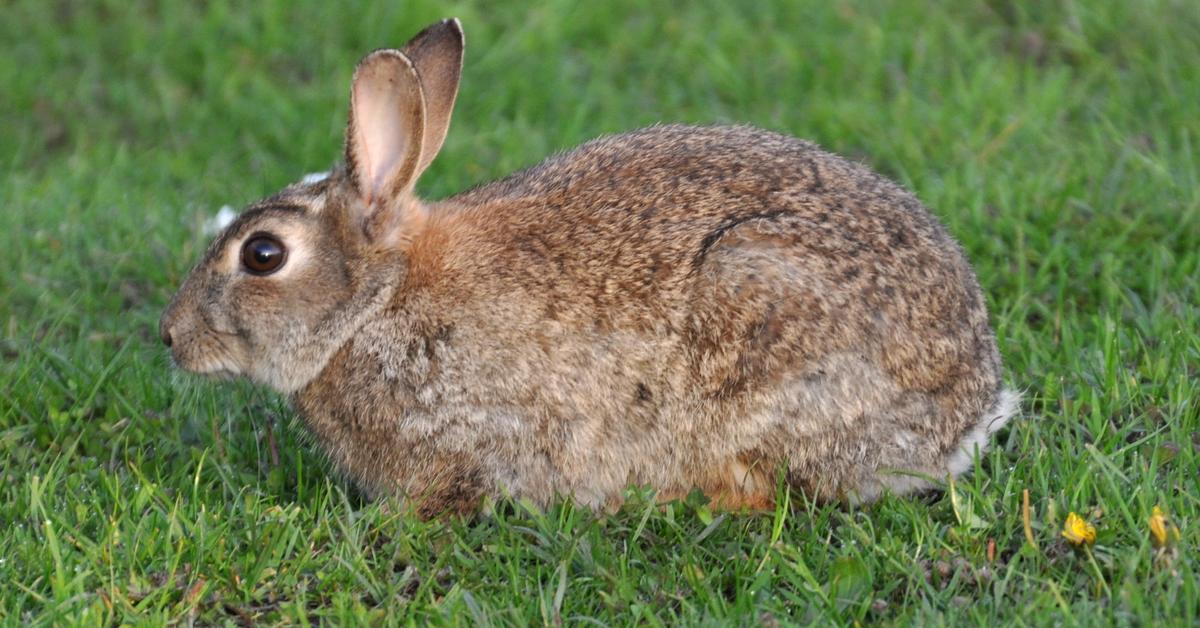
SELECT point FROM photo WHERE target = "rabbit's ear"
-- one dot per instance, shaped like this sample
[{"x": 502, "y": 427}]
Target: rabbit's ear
[
  {"x": 386, "y": 129},
  {"x": 437, "y": 52}
]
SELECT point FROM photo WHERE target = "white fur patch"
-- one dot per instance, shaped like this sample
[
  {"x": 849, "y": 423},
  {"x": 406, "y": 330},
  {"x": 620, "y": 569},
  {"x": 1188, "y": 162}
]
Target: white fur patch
[
  {"x": 900, "y": 483},
  {"x": 219, "y": 221},
  {"x": 1007, "y": 405},
  {"x": 315, "y": 177}
]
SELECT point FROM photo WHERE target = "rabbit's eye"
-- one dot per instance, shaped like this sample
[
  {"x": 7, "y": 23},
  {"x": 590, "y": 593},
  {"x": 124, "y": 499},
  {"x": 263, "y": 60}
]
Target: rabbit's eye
[{"x": 263, "y": 254}]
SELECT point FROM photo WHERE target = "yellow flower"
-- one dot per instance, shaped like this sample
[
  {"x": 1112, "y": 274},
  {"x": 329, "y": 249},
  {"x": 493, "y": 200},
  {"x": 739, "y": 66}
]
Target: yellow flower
[
  {"x": 1162, "y": 531},
  {"x": 1077, "y": 531}
]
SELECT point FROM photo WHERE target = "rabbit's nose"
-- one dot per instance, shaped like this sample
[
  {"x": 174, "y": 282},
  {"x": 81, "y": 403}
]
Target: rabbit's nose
[{"x": 166, "y": 336}]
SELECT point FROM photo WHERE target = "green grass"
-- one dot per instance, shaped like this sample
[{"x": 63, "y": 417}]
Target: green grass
[{"x": 1058, "y": 140}]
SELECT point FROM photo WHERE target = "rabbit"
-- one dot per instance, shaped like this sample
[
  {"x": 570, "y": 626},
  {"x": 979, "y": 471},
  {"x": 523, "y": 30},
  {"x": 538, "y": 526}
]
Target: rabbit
[{"x": 719, "y": 308}]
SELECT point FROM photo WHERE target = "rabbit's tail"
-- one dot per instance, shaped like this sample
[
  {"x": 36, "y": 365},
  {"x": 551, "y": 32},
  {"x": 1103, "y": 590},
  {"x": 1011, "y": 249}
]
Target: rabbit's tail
[{"x": 1007, "y": 404}]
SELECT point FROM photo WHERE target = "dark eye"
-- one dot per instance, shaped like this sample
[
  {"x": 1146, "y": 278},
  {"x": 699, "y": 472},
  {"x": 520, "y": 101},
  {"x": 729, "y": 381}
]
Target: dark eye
[{"x": 262, "y": 254}]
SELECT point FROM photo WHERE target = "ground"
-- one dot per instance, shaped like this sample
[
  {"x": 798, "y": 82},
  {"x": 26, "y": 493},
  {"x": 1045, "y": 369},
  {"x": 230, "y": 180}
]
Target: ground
[{"x": 1057, "y": 140}]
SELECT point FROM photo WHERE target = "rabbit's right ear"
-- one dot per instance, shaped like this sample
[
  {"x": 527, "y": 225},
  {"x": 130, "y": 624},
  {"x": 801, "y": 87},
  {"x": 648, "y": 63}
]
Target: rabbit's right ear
[
  {"x": 437, "y": 52},
  {"x": 386, "y": 131}
]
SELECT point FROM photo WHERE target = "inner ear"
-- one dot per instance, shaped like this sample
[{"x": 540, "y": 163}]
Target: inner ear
[{"x": 387, "y": 127}]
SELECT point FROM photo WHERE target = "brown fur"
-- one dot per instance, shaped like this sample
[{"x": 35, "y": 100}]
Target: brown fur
[{"x": 684, "y": 307}]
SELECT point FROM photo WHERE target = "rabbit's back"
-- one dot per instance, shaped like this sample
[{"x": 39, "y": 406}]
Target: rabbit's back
[
  {"x": 732, "y": 235},
  {"x": 685, "y": 307}
]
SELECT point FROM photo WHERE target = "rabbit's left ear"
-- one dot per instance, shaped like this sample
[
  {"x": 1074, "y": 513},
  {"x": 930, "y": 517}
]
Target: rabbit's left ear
[
  {"x": 437, "y": 53},
  {"x": 386, "y": 130}
]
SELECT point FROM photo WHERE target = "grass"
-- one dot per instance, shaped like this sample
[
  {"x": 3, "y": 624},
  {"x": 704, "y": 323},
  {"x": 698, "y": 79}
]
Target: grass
[{"x": 1057, "y": 140}]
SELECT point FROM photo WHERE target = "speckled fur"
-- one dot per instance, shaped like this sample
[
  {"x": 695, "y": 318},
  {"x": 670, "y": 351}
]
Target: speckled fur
[{"x": 678, "y": 307}]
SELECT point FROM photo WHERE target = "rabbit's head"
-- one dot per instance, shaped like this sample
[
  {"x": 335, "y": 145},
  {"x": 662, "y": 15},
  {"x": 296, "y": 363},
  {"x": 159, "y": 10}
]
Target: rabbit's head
[{"x": 296, "y": 274}]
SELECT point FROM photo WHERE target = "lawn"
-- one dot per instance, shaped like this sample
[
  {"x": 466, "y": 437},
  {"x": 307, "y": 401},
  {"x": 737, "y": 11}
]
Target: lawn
[{"x": 1057, "y": 140}]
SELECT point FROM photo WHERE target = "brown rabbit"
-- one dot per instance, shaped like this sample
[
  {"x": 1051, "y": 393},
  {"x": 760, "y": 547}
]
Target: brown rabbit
[{"x": 680, "y": 307}]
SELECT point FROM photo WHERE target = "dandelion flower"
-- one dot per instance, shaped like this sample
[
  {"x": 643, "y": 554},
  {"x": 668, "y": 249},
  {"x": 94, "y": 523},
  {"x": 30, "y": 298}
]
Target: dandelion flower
[
  {"x": 1077, "y": 531},
  {"x": 1162, "y": 531}
]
